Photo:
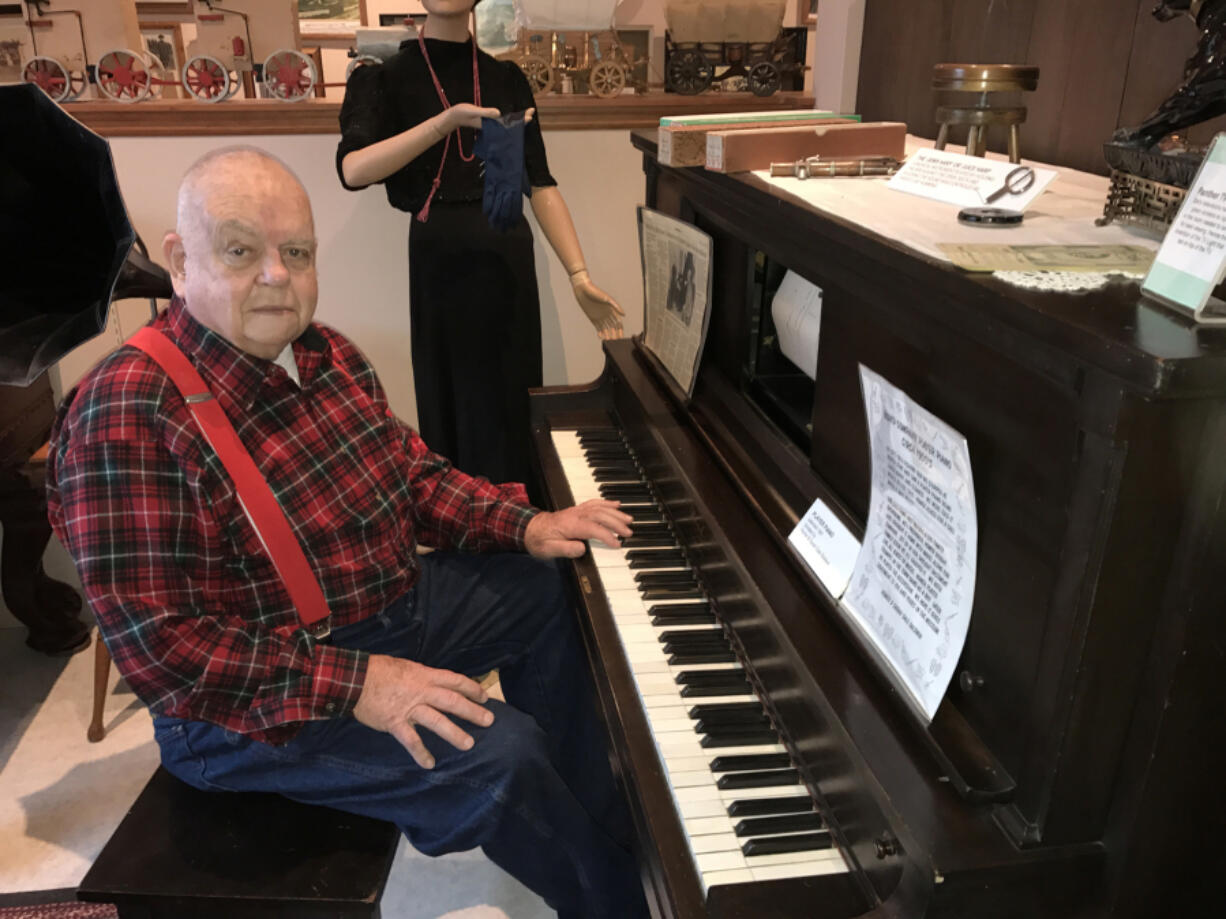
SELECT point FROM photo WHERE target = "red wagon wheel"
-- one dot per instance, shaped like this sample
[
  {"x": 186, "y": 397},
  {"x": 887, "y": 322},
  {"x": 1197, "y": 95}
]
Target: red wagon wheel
[
  {"x": 205, "y": 79},
  {"x": 49, "y": 75},
  {"x": 289, "y": 75},
  {"x": 123, "y": 76}
]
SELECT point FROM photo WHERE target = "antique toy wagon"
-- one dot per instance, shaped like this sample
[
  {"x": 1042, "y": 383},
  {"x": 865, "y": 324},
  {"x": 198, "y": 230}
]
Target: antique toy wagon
[
  {"x": 598, "y": 58},
  {"x": 225, "y": 53},
  {"x": 709, "y": 42},
  {"x": 60, "y": 64}
]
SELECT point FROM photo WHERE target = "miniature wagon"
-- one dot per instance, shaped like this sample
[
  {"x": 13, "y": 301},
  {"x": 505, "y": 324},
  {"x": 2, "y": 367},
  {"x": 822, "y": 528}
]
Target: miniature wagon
[
  {"x": 740, "y": 38},
  {"x": 606, "y": 71}
]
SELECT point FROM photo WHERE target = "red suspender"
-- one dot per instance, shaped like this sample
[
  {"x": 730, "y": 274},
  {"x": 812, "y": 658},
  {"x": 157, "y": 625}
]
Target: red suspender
[{"x": 254, "y": 495}]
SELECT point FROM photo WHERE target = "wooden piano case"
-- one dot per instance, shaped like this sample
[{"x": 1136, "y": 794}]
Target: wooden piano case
[{"x": 1076, "y": 762}]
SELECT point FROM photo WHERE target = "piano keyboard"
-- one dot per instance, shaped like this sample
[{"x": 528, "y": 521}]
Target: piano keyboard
[{"x": 747, "y": 816}]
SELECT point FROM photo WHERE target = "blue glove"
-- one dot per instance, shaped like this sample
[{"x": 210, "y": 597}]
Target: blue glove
[{"x": 501, "y": 146}]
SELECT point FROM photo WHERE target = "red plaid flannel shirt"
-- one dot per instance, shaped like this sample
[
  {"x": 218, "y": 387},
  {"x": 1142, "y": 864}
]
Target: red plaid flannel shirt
[{"x": 193, "y": 611}]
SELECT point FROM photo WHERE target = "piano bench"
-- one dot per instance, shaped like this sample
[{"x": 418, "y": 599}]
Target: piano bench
[{"x": 191, "y": 854}]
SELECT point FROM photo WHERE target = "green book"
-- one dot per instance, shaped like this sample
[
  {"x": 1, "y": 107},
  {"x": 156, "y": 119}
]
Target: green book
[{"x": 806, "y": 114}]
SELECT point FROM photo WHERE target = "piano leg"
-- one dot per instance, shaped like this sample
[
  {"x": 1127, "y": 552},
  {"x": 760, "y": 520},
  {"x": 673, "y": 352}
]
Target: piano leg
[{"x": 48, "y": 608}]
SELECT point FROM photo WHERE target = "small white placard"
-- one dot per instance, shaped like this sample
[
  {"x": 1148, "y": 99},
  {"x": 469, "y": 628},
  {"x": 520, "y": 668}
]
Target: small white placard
[
  {"x": 1192, "y": 260},
  {"x": 827, "y": 547},
  {"x": 914, "y": 581},
  {"x": 964, "y": 181}
]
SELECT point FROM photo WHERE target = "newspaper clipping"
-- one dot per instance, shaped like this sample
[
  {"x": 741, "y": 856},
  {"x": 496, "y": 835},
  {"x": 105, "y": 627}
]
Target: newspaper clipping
[{"x": 676, "y": 292}]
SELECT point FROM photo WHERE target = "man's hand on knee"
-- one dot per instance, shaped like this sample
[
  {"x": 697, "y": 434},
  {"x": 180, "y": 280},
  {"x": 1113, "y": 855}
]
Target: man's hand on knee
[
  {"x": 399, "y": 695},
  {"x": 562, "y": 534}
]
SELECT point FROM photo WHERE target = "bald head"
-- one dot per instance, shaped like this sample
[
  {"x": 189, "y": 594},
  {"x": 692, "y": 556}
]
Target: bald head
[
  {"x": 229, "y": 170},
  {"x": 242, "y": 256}
]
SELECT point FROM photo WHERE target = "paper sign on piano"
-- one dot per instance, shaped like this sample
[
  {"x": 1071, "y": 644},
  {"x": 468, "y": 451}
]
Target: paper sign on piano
[{"x": 914, "y": 582}]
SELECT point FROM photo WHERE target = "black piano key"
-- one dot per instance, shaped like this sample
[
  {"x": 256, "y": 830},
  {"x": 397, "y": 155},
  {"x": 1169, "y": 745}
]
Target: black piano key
[
  {"x": 636, "y": 489},
  {"x": 731, "y": 676},
  {"x": 771, "y": 779},
  {"x": 641, "y": 559},
  {"x": 653, "y": 529},
  {"x": 641, "y": 513},
  {"x": 698, "y": 692},
  {"x": 728, "y": 712},
  {"x": 694, "y": 635},
  {"x": 741, "y": 728},
  {"x": 671, "y": 647},
  {"x": 698, "y": 643},
  {"x": 640, "y": 542},
  {"x": 790, "y": 823},
  {"x": 800, "y": 842},
  {"x": 750, "y": 761},
  {"x": 651, "y": 594},
  {"x": 684, "y": 619},
  {"x": 680, "y": 575},
  {"x": 599, "y": 434},
  {"x": 615, "y": 474},
  {"x": 665, "y": 610},
  {"x": 759, "y": 807},
  {"x": 701, "y": 657},
  {"x": 738, "y": 738}
]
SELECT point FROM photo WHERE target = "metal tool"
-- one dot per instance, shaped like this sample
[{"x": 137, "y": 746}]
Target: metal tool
[
  {"x": 1018, "y": 180},
  {"x": 815, "y": 166}
]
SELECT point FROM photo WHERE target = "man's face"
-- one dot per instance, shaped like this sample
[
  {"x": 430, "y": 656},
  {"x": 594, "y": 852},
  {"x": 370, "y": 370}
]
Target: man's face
[{"x": 243, "y": 260}]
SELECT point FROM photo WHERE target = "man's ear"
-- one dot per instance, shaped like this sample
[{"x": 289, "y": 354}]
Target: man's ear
[{"x": 176, "y": 260}]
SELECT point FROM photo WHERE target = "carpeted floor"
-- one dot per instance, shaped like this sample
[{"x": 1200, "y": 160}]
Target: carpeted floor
[{"x": 60, "y": 911}]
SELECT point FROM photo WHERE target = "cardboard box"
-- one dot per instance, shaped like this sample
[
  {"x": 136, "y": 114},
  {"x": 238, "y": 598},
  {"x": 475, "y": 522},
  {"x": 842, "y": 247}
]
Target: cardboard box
[
  {"x": 757, "y": 148},
  {"x": 685, "y": 144}
]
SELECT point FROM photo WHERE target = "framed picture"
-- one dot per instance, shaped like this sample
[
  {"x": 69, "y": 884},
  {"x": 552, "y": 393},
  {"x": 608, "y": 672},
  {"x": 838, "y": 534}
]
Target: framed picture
[
  {"x": 147, "y": 10},
  {"x": 330, "y": 18},
  {"x": 163, "y": 41}
]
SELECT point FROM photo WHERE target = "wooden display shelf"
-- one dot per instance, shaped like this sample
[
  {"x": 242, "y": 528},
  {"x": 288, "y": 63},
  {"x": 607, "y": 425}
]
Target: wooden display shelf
[{"x": 320, "y": 116}]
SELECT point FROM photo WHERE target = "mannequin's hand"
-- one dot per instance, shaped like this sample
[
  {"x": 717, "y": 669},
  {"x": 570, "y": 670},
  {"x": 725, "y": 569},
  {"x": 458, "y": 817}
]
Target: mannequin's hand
[
  {"x": 600, "y": 308},
  {"x": 465, "y": 115}
]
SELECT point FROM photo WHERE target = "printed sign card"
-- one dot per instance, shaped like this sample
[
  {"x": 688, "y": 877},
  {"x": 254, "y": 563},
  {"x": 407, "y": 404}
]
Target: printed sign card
[
  {"x": 914, "y": 580},
  {"x": 965, "y": 181},
  {"x": 1192, "y": 260},
  {"x": 828, "y": 547}
]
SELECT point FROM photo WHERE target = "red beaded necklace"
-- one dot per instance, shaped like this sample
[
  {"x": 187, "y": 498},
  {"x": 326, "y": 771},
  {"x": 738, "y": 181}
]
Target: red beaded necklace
[{"x": 424, "y": 213}]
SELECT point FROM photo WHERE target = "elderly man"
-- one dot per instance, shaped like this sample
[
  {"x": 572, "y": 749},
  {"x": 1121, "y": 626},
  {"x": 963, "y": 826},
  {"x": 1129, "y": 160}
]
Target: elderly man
[{"x": 201, "y": 625}]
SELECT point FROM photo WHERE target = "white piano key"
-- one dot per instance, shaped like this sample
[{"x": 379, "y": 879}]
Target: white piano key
[
  {"x": 691, "y": 809},
  {"x": 687, "y": 778},
  {"x": 833, "y": 864},
  {"x": 702, "y": 826},
  {"x": 737, "y": 876},
  {"x": 715, "y": 842}
]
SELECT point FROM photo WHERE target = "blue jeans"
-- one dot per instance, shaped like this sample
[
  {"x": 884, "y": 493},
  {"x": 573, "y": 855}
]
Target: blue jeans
[{"x": 535, "y": 792}]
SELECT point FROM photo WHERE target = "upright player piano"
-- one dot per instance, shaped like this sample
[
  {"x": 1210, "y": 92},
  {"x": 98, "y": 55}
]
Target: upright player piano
[{"x": 1076, "y": 766}]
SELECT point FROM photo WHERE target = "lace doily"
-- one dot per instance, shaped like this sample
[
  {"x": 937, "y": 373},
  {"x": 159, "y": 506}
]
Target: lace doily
[{"x": 1066, "y": 281}]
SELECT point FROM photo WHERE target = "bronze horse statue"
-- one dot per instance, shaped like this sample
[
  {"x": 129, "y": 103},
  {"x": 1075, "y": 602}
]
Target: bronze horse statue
[{"x": 1202, "y": 94}]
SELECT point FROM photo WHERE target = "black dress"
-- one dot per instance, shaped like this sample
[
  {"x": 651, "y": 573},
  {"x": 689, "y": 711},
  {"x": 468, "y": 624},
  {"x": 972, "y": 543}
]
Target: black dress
[{"x": 475, "y": 315}]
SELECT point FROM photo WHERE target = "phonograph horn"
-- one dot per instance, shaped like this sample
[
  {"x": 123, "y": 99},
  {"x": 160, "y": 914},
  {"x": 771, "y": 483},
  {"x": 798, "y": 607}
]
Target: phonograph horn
[{"x": 65, "y": 235}]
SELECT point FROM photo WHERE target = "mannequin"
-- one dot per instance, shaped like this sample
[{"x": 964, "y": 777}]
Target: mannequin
[{"x": 475, "y": 312}]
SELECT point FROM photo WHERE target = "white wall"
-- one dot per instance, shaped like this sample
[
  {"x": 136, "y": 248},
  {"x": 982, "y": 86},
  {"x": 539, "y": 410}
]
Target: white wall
[
  {"x": 362, "y": 259},
  {"x": 836, "y": 54}
]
